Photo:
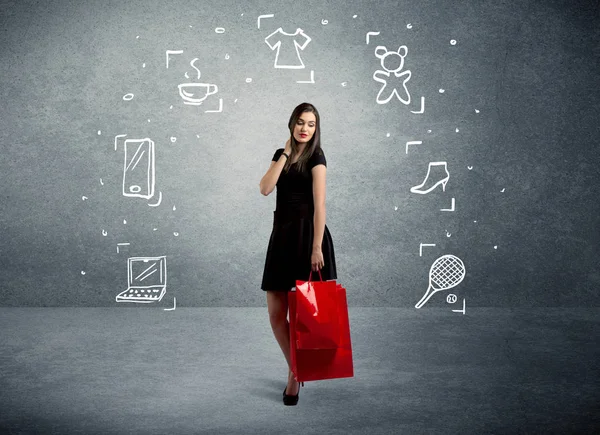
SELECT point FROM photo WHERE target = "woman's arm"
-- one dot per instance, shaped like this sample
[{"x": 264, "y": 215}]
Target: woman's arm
[{"x": 319, "y": 173}]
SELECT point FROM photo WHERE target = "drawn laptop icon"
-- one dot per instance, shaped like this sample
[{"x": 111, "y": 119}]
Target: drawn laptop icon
[{"x": 147, "y": 280}]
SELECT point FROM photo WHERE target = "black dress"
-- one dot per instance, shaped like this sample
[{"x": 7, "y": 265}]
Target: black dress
[{"x": 290, "y": 245}]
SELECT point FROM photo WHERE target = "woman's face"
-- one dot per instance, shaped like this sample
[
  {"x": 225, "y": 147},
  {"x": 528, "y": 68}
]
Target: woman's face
[{"x": 305, "y": 127}]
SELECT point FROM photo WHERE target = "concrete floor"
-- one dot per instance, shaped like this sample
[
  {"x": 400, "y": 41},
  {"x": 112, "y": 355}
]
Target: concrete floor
[{"x": 143, "y": 370}]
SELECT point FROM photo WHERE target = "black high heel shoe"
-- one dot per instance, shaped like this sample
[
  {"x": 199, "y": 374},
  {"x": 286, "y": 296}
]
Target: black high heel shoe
[{"x": 289, "y": 400}]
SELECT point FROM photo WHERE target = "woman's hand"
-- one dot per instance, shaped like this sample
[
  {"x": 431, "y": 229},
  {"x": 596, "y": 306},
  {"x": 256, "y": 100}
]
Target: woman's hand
[{"x": 316, "y": 260}]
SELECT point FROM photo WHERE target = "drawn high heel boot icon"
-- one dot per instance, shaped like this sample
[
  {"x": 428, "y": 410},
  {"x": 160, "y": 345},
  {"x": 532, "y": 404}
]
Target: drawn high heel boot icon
[{"x": 433, "y": 178}]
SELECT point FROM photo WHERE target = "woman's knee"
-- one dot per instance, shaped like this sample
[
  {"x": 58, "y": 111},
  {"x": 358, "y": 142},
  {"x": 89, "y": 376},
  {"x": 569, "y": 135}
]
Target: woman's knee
[{"x": 277, "y": 306}]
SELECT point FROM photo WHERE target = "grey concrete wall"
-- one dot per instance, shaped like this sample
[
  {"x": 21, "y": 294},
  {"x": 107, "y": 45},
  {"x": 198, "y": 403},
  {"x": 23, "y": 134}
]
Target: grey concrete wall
[{"x": 504, "y": 93}]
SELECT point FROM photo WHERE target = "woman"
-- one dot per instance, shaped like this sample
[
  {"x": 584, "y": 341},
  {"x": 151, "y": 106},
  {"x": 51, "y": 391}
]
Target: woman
[{"x": 300, "y": 241}]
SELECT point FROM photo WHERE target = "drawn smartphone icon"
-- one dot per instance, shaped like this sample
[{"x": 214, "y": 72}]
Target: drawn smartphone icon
[{"x": 138, "y": 168}]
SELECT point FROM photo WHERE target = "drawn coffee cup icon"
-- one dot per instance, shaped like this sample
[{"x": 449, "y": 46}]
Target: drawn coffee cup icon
[{"x": 195, "y": 93}]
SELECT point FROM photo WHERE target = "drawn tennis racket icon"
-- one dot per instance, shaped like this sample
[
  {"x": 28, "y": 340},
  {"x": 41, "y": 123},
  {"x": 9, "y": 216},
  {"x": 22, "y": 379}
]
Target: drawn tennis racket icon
[{"x": 445, "y": 272}]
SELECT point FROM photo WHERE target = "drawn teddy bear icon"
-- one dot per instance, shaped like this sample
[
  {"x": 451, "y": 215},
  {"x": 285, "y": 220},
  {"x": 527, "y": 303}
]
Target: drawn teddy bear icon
[{"x": 392, "y": 62}]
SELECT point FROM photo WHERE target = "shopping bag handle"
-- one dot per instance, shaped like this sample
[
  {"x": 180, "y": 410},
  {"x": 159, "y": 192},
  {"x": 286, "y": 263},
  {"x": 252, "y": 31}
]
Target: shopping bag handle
[{"x": 321, "y": 276}]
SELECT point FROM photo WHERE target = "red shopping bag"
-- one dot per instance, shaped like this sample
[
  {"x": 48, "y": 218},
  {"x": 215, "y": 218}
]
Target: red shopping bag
[
  {"x": 317, "y": 364},
  {"x": 317, "y": 318}
]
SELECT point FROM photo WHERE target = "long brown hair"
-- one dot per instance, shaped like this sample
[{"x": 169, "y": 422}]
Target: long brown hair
[{"x": 314, "y": 144}]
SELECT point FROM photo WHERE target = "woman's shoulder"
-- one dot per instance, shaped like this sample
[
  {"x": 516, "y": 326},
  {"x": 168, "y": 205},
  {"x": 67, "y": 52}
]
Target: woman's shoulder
[
  {"x": 317, "y": 152},
  {"x": 277, "y": 154},
  {"x": 318, "y": 157}
]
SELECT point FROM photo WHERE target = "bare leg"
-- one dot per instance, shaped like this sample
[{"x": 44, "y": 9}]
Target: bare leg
[{"x": 277, "y": 303}]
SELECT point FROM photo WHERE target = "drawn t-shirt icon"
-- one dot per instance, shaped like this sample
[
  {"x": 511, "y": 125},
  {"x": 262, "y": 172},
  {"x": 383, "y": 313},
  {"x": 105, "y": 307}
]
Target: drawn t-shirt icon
[{"x": 287, "y": 56}]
